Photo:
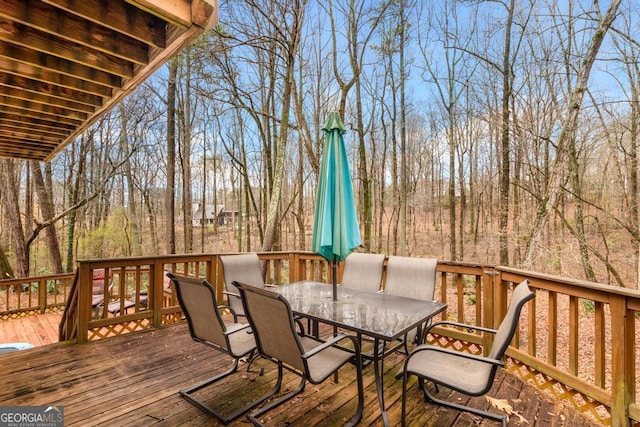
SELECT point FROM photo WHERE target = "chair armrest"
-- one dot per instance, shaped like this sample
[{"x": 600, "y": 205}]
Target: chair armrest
[
  {"x": 270, "y": 285},
  {"x": 233, "y": 294},
  {"x": 483, "y": 359},
  {"x": 237, "y": 327},
  {"x": 233, "y": 312},
  {"x": 330, "y": 343},
  {"x": 462, "y": 354},
  {"x": 461, "y": 325}
]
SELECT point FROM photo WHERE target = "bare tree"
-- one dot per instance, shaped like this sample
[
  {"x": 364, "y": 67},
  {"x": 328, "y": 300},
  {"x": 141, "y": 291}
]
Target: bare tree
[
  {"x": 569, "y": 126},
  {"x": 446, "y": 71},
  {"x": 170, "y": 203},
  {"x": 45, "y": 202},
  {"x": 362, "y": 22},
  {"x": 11, "y": 190}
]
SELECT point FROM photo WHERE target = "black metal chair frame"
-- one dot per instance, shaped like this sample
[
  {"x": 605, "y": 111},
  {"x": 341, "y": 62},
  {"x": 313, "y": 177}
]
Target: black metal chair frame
[
  {"x": 306, "y": 356},
  {"x": 507, "y": 329},
  {"x": 226, "y": 348}
]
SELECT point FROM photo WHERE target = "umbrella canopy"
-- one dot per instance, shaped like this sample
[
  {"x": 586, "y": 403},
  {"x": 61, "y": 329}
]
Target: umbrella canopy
[{"x": 335, "y": 225}]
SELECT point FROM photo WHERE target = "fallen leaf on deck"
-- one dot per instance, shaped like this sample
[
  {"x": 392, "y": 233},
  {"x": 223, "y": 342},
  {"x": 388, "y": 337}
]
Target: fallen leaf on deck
[{"x": 503, "y": 405}]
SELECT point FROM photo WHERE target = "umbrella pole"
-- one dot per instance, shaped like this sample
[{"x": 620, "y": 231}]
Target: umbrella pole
[{"x": 334, "y": 275}]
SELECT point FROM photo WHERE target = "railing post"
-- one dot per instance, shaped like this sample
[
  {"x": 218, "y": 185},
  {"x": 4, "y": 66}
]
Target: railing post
[
  {"x": 219, "y": 284},
  {"x": 42, "y": 294},
  {"x": 622, "y": 360},
  {"x": 492, "y": 280},
  {"x": 157, "y": 291},
  {"x": 294, "y": 267},
  {"x": 85, "y": 283},
  {"x": 210, "y": 271}
]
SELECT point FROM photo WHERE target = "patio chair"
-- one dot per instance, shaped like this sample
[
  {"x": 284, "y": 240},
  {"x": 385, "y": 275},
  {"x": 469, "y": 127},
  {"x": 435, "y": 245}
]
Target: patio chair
[
  {"x": 197, "y": 298},
  {"x": 99, "y": 278},
  {"x": 118, "y": 306},
  {"x": 411, "y": 278},
  {"x": 273, "y": 324},
  {"x": 363, "y": 271},
  {"x": 467, "y": 373},
  {"x": 245, "y": 268}
]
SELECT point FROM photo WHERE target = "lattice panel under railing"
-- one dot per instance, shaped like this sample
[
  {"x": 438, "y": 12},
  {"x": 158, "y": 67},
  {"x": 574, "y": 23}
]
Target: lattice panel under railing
[
  {"x": 170, "y": 319},
  {"x": 118, "y": 329},
  {"x": 456, "y": 344},
  {"x": 596, "y": 410},
  {"x": 35, "y": 311},
  {"x": 20, "y": 314}
]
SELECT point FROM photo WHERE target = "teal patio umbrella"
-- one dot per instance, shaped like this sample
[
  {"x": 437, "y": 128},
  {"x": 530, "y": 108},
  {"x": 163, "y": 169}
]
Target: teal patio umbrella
[{"x": 335, "y": 224}]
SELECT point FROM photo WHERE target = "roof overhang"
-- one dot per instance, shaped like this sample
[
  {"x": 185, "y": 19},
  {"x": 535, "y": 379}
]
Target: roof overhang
[{"x": 64, "y": 63}]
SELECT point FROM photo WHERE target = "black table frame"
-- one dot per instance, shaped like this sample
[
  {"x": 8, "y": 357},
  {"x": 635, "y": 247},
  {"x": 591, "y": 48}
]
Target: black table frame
[{"x": 380, "y": 316}]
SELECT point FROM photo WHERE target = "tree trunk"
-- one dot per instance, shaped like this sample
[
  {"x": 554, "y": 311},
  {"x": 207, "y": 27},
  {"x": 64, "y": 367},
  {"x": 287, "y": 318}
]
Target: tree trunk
[
  {"x": 292, "y": 44},
  {"x": 135, "y": 248},
  {"x": 12, "y": 207},
  {"x": 505, "y": 149},
  {"x": 79, "y": 160},
  {"x": 187, "y": 192},
  {"x": 45, "y": 201},
  {"x": 170, "y": 201},
  {"x": 6, "y": 272},
  {"x": 404, "y": 157}
]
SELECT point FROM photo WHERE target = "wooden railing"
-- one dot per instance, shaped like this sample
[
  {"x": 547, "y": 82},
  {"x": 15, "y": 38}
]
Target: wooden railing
[
  {"x": 576, "y": 339},
  {"x": 34, "y": 295}
]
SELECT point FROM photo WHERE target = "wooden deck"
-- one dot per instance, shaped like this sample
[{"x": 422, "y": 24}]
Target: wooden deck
[
  {"x": 36, "y": 330},
  {"x": 134, "y": 380}
]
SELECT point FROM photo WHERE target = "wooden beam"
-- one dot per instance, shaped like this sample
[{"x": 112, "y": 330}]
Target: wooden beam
[
  {"x": 49, "y": 116},
  {"x": 61, "y": 24},
  {"x": 40, "y": 123},
  {"x": 56, "y": 47},
  {"x": 38, "y": 107},
  {"x": 32, "y": 141},
  {"x": 65, "y": 63},
  {"x": 204, "y": 13},
  {"x": 38, "y": 60},
  {"x": 53, "y": 134},
  {"x": 118, "y": 16},
  {"x": 177, "y": 12},
  {"x": 11, "y": 150},
  {"x": 32, "y": 86},
  {"x": 40, "y": 98}
]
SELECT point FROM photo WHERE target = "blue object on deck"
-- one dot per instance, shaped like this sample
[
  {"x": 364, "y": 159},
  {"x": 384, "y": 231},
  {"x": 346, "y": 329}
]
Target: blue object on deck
[{"x": 14, "y": 346}]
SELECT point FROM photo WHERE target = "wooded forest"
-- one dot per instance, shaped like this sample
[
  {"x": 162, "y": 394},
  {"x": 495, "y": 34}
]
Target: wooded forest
[{"x": 502, "y": 132}]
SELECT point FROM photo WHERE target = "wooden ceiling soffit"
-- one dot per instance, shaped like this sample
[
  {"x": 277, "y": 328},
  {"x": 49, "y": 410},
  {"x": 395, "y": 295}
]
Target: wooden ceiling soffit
[{"x": 64, "y": 63}]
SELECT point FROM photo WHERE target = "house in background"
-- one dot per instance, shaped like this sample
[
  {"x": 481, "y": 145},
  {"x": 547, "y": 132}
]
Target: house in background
[{"x": 213, "y": 214}]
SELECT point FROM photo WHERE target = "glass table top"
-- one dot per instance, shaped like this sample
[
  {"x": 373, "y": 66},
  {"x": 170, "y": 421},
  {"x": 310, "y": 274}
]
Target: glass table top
[{"x": 374, "y": 314}]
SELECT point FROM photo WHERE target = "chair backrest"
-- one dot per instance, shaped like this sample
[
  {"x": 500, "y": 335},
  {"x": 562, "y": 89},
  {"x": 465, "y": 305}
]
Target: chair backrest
[
  {"x": 411, "y": 277},
  {"x": 197, "y": 298},
  {"x": 243, "y": 268},
  {"x": 98, "y": 281},
  {"x": 363, "y": 271},
  {"x": 271, "y": 320},
  {"x": 521, "y": 294}
]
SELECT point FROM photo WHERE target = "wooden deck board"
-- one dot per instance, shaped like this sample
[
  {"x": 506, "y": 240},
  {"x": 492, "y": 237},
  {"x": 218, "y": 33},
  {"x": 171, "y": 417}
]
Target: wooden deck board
[
  {"x": 36, "y": 330},
  {"x": 134, "y": 379}
]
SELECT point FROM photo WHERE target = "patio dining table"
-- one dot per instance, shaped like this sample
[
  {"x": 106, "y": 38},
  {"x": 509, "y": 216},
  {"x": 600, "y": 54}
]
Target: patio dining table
[{"x": 382, "y": 317}]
